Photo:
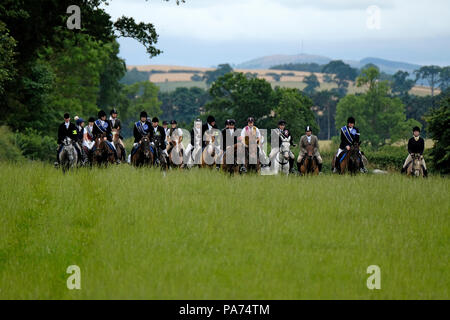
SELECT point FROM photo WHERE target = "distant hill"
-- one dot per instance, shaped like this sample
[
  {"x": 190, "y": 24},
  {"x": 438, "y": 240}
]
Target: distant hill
[{"x": 267, "y": 62}]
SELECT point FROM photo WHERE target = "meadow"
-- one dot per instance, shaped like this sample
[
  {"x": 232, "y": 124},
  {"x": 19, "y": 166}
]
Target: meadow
[{"x": 139, "y": 234}]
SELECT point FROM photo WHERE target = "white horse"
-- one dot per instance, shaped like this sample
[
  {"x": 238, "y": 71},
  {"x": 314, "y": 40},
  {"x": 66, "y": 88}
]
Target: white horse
[
  {"x": 281, "y": 160},
  {"x": 68, "y": 157}
]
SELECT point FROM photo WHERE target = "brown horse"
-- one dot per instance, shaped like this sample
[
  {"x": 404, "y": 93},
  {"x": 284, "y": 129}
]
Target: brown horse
[
  {"x": 351, "y": 161},
  {"x": 102, "y": 154},
  {"x": 143, "y": 155},
  {"x": 309, "y": 163},
  {"x": 121, "y": 154},
  {"x": 230, "y": 160},
  {"x": 209, "y": 154},
  {"x": 415, "y": 167}
]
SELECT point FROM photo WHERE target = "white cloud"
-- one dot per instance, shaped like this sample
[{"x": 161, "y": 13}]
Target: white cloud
[{"x": 285, "y": 20}]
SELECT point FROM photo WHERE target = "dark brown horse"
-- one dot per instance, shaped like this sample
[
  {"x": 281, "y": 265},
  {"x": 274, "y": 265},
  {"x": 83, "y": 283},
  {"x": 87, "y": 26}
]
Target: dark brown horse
[
  {"x": 102, "y": 154},
  {"x": 144, "y": 154},
  {"x": 309, "y": 163},
  {"x": 351, "y": 161},
  {"x": 252, "y": 161}
]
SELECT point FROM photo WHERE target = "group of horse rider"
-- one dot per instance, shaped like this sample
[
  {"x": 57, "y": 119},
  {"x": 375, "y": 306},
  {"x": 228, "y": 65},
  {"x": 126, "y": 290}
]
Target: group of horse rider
[
  {"x": 83, "y": 136},
  {"x": 163, "y": 138}
]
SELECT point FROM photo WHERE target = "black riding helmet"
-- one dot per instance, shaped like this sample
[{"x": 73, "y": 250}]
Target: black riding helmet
[
  {"x": 155, "y": 120},
  {"x": 351, "y": 120},
  {"x": 227, "y": 122},
  {"x": 113, "y": 111},
  {"x": 282, "y": 122},
  {"x": 144, "y": 114},
  {"x": 232, "y": 122},
  {"x": 416, "y": 129},
  {"x": 250, "y": 119},
  {"x": 91, "y": 119},
  {"x": 173, "y": 122},
  {"x": 210, "y": 119},
  {"x": 308, "y": 129},
  {"x": 101, "y": 114}
]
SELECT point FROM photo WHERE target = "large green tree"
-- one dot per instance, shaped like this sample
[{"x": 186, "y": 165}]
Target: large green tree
[
  {"x": 439, "y": 129},
  {"x": 430, "y": 74},
  {"x": 312, "y": 83},
  {"x": 294, "y": 107},
  {"x": 380, "y": 117},
  {"x": 343, "y": 74},
  {"x": 183, "y": 104},
  {"x": 222, "y": 69},
  {"x": 140, "y": 96},
  {"x": 236, "y": 96}
]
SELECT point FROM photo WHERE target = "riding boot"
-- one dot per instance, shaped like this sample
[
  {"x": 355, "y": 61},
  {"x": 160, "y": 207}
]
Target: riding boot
[
  {"x": 403, "y": 170},
  {"x": 291, "y": 165},
  {"x": 320, "y": 167},
  {"x": 425, "y": 172}
]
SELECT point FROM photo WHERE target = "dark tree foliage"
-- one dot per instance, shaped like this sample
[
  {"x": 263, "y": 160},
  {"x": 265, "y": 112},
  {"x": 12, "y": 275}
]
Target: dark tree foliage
[{"x": 439, "y": 130}]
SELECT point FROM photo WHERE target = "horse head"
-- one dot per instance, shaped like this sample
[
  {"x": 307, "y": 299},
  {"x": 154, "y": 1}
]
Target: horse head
[{"x": 145, "y": 146}]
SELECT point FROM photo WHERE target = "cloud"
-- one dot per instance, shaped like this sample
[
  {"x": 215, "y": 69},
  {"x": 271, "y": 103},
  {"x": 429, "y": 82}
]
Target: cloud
[{"x": 288, "y": 19}]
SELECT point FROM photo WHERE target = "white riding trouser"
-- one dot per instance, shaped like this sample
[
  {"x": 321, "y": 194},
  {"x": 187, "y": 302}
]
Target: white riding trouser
[{"x": 409, "y": 159}]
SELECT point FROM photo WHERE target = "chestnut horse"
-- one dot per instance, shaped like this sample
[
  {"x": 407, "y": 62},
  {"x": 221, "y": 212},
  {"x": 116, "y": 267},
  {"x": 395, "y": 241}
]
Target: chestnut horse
[
  {"x": 351, "y": 161},
  {"x": 118, "y": 144},
  {"x": 209, "y": 154},
  {"x": 309, "y": 163}
]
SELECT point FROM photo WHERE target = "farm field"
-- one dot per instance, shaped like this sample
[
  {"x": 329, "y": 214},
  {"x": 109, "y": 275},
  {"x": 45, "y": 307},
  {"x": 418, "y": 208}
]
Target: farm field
[
  {"x": 169, "y": 78},
  {"x": 139, "y": 234}
]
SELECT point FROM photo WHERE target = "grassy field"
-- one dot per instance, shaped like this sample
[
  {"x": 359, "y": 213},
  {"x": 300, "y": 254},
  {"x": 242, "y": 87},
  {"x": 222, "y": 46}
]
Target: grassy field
[{"x": 203, "y": 235}]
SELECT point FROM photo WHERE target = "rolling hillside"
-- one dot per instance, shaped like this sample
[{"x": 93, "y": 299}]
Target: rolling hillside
[{"x": 170, "y": 77}]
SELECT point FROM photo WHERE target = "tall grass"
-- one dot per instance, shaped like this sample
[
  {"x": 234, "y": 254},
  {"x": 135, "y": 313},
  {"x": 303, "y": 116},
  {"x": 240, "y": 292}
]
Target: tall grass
[{"x": 203, "y": 235}]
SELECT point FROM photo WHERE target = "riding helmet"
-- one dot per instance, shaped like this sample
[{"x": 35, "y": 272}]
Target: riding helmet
[
  {"x": 308, "y": 129},
  {"x": 232, "y": 122},
  {"x": 416, "y": 129},
  {"x": 66, "y": 116},
  {"x": 173, "y": 122},
  {"x": 144, "y": 114},
  {"x": 91, "y": 119},
  {"x": 101, "y": 114},
  {"x": 165, "y": 123},
  {"x": 211, "y": 119},
  {"x": 351, "y": 120},
  {"x": 250, "y": 119},
  {"x": 113, "y": 111},
  {"x": 282, "y": 122},
  {"x": 155, "y": 120},
  {"x": 79, "y": 121},
  {"x": 227, "y": 122}
]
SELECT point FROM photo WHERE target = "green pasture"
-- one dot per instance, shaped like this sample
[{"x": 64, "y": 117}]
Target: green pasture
[{"x": 139, "y": 234}]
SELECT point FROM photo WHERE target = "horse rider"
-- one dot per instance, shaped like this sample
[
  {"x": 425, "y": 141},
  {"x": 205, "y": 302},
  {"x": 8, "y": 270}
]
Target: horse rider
[
  {"x": 196, "y": 139},
  {"x": 166, "y": 128},
  {"x": 251, "y": 131},
  {"x": 80, "y": 135},
  {"x": 115, "y": 123},
  {"x": 229, "y": 137},
  {"x": 283, "y": 133},
  {"x": 208, "y": 127},
  {"x": 305, "y": 141},
  {"x": 67, "y": 129},
  {"x": 158, "y": 137},
  {"x": 88, "y": 136},
  {"x": 416, "y": 145},
  {"x": 101, "y": 126},
  {"x": 349, "y": 135},
  {"x": 141, "y": 128},
  {"x": 174, "y": 134}
]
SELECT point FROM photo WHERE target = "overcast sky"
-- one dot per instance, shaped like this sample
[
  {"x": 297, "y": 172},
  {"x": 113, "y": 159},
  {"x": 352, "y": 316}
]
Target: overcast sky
[{"x": 208, "y": 32}]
